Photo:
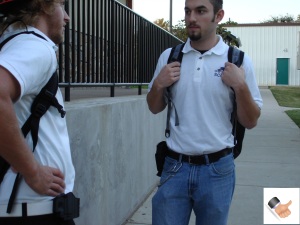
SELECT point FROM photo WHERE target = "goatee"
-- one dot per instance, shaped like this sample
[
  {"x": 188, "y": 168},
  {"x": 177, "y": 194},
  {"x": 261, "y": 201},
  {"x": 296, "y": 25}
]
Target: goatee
[{"x": 194, "y": 37}]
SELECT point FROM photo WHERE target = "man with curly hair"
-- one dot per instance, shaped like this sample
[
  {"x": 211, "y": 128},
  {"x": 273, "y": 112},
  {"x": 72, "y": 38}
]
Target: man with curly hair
[{"x": 27, "y": 62}]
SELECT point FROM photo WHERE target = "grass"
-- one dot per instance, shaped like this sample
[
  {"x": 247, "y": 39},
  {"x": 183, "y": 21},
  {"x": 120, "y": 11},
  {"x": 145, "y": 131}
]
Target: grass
[
  {"x": 294, "y": 115},
  {"x": 288, "y": 97}
]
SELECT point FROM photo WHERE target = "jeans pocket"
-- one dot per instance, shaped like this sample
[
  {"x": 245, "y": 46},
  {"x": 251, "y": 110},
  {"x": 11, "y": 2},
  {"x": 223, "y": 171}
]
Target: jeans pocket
[
  {"x": 171, "y": 167},
  {"x": 223, "y": 166}
]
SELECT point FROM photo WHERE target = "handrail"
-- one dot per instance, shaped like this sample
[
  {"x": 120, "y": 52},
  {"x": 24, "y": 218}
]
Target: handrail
[{"x": 107, "y": 44}]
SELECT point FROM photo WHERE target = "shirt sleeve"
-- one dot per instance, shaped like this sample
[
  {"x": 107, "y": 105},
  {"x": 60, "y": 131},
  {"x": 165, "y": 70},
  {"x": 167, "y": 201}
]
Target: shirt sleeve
[
  {"x": 30, "y": 60},
  {"x": 251, "y": 81},
  {"x": 162, "y": 61}
]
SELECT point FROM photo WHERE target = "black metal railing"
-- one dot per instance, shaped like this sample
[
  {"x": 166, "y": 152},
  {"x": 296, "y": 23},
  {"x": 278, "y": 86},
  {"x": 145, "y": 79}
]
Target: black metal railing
[{"x": 107, "y": 44}]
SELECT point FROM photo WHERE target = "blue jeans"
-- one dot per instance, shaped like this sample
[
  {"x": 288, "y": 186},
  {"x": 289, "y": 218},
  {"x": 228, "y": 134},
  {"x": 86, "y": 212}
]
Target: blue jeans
[{"x": 206, "y": 189}]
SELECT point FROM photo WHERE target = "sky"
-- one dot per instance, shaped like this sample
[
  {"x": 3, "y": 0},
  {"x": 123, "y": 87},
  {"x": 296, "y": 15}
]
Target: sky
[{"x": 240, "y": 11}]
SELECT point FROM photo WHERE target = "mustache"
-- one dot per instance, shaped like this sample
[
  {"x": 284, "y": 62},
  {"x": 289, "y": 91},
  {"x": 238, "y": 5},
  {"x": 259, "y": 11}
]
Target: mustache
[{"x": 193, "y": 25}]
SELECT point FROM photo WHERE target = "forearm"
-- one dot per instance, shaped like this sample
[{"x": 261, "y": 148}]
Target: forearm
[
  {"x": 247, "y": 110},
  {"x": 155, "y": 98},
  {"x": 13, "y": 147}
]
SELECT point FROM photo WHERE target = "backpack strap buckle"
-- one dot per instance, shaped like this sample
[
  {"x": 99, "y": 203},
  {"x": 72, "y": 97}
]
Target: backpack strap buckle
[{"x": 39, "y": 110}]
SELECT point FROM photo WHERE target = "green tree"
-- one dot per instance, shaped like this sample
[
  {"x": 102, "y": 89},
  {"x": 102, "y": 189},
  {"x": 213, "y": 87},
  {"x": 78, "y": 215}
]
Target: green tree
[
  {"x": 229, "y": 22},
  {"x": 280, "y": 19},
  {"x": 163, "y": 24},
  {"x": 227, "y": 36},
  {"x": 179, "y": 30}
]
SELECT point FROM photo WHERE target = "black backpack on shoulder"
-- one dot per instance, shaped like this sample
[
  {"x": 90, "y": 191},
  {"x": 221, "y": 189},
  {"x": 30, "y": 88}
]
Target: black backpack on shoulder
[
  {"x": 39, "y": 107},
  {"x": 235, "y": 56}
]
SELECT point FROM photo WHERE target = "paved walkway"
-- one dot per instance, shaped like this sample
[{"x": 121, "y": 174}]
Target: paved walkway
[{"x": 270, "y": 159}]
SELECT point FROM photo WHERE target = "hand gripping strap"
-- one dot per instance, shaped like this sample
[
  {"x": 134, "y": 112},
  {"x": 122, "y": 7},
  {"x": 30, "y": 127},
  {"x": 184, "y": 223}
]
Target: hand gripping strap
[{"x": 175, "y": 56}]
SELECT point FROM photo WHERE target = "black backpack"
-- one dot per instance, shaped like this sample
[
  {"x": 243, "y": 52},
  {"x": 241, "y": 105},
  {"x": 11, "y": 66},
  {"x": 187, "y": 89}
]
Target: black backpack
[
  {"x": 235, "y": 56},
  {"x": 39, "y": 107}
]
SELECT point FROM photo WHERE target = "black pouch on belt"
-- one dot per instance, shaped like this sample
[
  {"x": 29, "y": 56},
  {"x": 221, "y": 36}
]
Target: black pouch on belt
[
  {"x": 66, "y": 206},
  {"x": 160, "y": 155}
]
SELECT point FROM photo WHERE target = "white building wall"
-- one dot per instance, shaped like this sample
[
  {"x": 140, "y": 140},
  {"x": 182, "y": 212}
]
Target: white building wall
[
  {"x": 264, "y": 44},
  {"x": 298, "y": 53}
]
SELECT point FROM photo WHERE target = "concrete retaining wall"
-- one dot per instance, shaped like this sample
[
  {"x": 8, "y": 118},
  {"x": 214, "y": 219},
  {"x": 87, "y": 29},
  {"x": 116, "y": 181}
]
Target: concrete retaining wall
[{"x": 113, "y": 144}]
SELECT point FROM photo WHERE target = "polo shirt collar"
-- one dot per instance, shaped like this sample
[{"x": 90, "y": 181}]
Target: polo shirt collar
[{"x": 218, "y": 49}]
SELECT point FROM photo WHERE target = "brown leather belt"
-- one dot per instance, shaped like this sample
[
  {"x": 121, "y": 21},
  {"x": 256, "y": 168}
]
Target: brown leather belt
[{"x": 199, "y": 159}]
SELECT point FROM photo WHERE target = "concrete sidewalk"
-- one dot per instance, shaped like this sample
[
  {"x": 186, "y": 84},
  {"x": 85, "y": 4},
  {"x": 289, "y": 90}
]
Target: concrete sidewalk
[{"x": 270, "y": 159}]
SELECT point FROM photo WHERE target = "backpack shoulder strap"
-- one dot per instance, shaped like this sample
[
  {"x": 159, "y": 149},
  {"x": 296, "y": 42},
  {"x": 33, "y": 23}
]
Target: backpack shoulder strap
[
  {"x": 175, "y": 56},
  {"x": 235, "y": 56},
  {"x": 176, "y": 53},
  {"x": 39, "y": 107},
  {"x": 44, "y": 99},
  {"x": 17, "y": 34}
]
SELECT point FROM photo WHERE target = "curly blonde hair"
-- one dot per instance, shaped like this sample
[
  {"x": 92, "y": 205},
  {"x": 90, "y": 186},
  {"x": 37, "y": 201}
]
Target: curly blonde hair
[{"x": 26, "y": 12}]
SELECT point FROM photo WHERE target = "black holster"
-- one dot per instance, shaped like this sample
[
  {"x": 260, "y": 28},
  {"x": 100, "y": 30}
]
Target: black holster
[
  {"x": 66, "y": 206},
  {"x": 160, "y": 155}
]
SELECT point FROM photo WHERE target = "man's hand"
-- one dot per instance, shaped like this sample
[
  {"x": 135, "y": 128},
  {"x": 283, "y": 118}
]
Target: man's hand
[
  {"x": 247, "y": 110},
  {"x": 282, "y": 210},
  {"x": 232, "y": 75},
  {"x": 169, "y": 74},
  {"x": 47, "y": 181}
]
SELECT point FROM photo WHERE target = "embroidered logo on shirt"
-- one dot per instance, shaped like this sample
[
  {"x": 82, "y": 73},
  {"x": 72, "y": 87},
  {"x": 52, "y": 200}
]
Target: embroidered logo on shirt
[{"x": 218, "y": 72}]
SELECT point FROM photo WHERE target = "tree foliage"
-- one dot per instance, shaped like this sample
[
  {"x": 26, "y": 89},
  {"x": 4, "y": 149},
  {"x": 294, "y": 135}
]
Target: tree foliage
[
  {"x": 227, "y": 36},
  {"x": 230, "y": 22},
  {"x": 163, "y": 24},
  {"x": 179, "y": 30},
  {"x": 281, "y": 19}
]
